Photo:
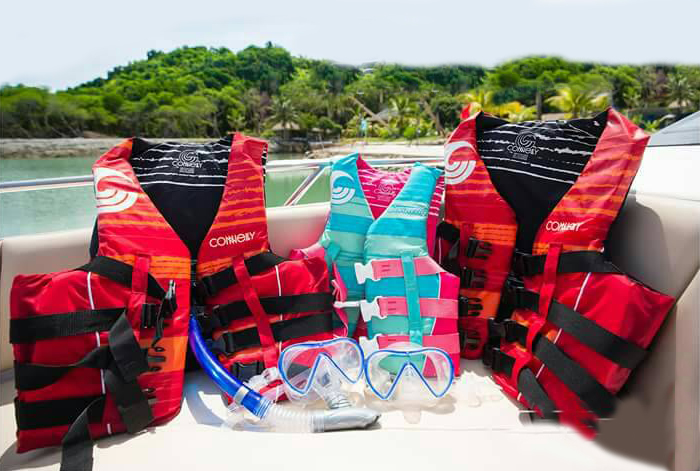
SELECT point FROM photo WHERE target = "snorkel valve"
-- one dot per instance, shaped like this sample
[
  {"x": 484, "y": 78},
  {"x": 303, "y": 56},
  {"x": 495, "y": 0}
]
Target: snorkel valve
[{"x": 275, "y": 416}]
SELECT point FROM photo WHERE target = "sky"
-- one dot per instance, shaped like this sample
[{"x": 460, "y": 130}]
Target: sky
[{"x": 62, "y": 44}]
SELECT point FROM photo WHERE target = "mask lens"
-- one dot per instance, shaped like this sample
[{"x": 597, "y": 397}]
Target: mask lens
[
  {"x": 410, "y": 369},
  {"x": 312, "y": 367}
]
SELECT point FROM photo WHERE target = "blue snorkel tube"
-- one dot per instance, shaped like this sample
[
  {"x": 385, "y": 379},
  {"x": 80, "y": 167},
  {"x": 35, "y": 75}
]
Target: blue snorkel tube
[{"x": 277, "y": 417}]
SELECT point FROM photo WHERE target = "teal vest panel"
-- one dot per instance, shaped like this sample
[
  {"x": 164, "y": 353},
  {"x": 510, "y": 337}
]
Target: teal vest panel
[
  {"x": 344, "y": 236},
  {"x": 400, "y": 233}
]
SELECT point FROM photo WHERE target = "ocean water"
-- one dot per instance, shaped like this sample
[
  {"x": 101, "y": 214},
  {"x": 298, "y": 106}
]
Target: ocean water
[{"x": 35, "y": 211}]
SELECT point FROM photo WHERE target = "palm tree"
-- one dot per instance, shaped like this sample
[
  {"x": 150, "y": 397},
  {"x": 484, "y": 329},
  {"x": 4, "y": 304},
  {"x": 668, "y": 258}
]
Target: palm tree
[
  {"x": 516, "y": 112},
  {"x": 403, "y": 109},
  {"x": 480, "y": 99},
  {"x": 578, "y": 99},
  {"x": 284, "y": 113},
  {"x": 679, "y": 90}
]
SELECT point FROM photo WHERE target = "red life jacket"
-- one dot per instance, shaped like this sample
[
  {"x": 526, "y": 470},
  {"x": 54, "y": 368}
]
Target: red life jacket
[
  {"x": 560, "y": 325},
  {"x": 101, "y": 349}
]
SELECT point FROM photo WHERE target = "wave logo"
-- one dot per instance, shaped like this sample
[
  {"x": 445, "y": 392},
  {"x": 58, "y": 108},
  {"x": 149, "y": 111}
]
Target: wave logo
[
  {"x": 524, "y": 145},
  {"x": 341, "y": 194},
  {"x": 110, "y": 199},
  {"x": 458, "y": 171},
  {"x": 187, "y": 161}
]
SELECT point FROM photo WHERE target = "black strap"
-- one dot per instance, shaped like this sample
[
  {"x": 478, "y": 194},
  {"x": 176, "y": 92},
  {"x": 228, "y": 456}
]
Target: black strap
[
  {"x": 527, "y": 385},
  {"x": 292, "y": 304},
  {"x": 31, "y": 329},
  {"x": 76, "y": 452},
  {"x": 448, "y": 232},
  {"x": 123, "y": 360},
  {"x": 120, "y": 377},
  {"x": 586, "y": 331},
  {"x": 569, "y": 262},
  {"x": 43, "y": 414},
  {"x": 208, "y": 286},
  {"x": 231, "y": 342},
  {"x": 31, "y": 376},
  {"x": 574, "y": 376},
  {"x": 122, "y": 273}
]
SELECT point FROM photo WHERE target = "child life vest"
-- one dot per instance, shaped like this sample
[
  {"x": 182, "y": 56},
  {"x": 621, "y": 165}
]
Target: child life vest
[
  {"x": 377, "y": 241},
  {"x": 181, "y": 231},
  {"x": 528, "y": 207},
  {"x": 359, "y": 194}
]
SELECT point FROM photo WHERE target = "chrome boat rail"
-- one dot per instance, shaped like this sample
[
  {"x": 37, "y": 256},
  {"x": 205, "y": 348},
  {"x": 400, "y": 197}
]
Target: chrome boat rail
[{"x": 317, "y": 167}]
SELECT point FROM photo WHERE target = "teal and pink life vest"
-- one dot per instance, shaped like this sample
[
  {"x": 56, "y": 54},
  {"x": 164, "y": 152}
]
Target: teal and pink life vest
[{"x": 378, "y": 240}]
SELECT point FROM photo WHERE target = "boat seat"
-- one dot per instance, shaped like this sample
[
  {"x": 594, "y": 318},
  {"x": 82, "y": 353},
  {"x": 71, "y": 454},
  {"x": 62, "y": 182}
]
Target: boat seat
[{"x": 656, "y": 240}]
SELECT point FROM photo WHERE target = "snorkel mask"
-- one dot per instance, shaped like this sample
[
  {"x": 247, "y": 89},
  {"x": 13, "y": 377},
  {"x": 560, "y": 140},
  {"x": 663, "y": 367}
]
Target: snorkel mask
[{"x": 405, "y": 376}]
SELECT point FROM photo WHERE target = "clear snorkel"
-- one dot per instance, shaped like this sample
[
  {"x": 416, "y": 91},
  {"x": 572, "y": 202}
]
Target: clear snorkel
[{"x": 274, "y": 416}]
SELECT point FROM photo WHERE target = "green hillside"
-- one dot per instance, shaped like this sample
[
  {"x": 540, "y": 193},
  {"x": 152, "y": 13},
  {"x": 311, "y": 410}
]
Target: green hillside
[{"x": 201, "y": 92}]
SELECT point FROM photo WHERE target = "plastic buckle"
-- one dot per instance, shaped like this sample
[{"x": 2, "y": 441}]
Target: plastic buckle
[
  {"x": 472, "y": 306},
  {"x": 364, "y": 272},
  {"x": 368, "y": 346},
  {"x": 169, "y": 304},
  {"x": 371, "y": 309},
  {"x": 149, "y": 316},
  {"x": 488, "y": 356},
  {"x": 496, "y": 330},
  {"x": 472, "y": 278},
  {"x": 521, "y": 265},
  {"x": 478, "y": 249}
]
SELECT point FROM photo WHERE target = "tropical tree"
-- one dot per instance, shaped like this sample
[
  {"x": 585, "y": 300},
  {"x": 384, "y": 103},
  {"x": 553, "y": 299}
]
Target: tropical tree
[
  {"x": 479, "y": 99},
  {"x": 580, "y": 97},
  {"x": 283, "y": 112},
  {"x": 679, "y": 90},
  {"x": 402, "y": 108},
  {"x": 516, "y": 112}
]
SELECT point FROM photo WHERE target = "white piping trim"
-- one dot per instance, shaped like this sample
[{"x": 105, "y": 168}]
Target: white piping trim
[
  {"x": 97, "y": 339},
  {"x": 580, "y": 293},
  {"x": 97, "y": 334},
  {"x": 279, "y": 283}
]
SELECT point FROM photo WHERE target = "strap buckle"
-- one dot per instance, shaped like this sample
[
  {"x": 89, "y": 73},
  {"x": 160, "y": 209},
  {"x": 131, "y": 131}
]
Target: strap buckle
[
  {"x": 469, "y": 307},
  {"x": 511, "y": 299},
  {"x": 521, "y": 264},
  {"x": 504, "y": 330},
  {"x": 493, "y": 358},
  {"x": 478, "y": 249},
  {"x": 371, "y": 309},
  {"x": 472, "y": 278},
  {"x": 368, "y": 309},
  {"x": 368, "y": 346},
  {"x": 364, "y": 272}
]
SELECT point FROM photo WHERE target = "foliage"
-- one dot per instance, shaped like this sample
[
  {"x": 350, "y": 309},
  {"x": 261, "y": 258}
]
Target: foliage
[
  {"x": 207, "y": 92},
  {"x": 583, "y": 95}
]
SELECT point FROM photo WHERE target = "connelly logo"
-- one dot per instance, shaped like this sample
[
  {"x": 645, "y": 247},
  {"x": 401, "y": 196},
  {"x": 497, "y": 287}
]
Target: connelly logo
[
  {"x": 187, "y": 161},
  {"x": 457, "y": 171},
  {"x": 411, "y": 211},
  {"x": 231, "y": 239},
  {"x": 341, "y": 194},
  {"x": 110, "y": 199},
  {"x": 524, "y": 145},
  {"x": 557, "y": 226}
]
